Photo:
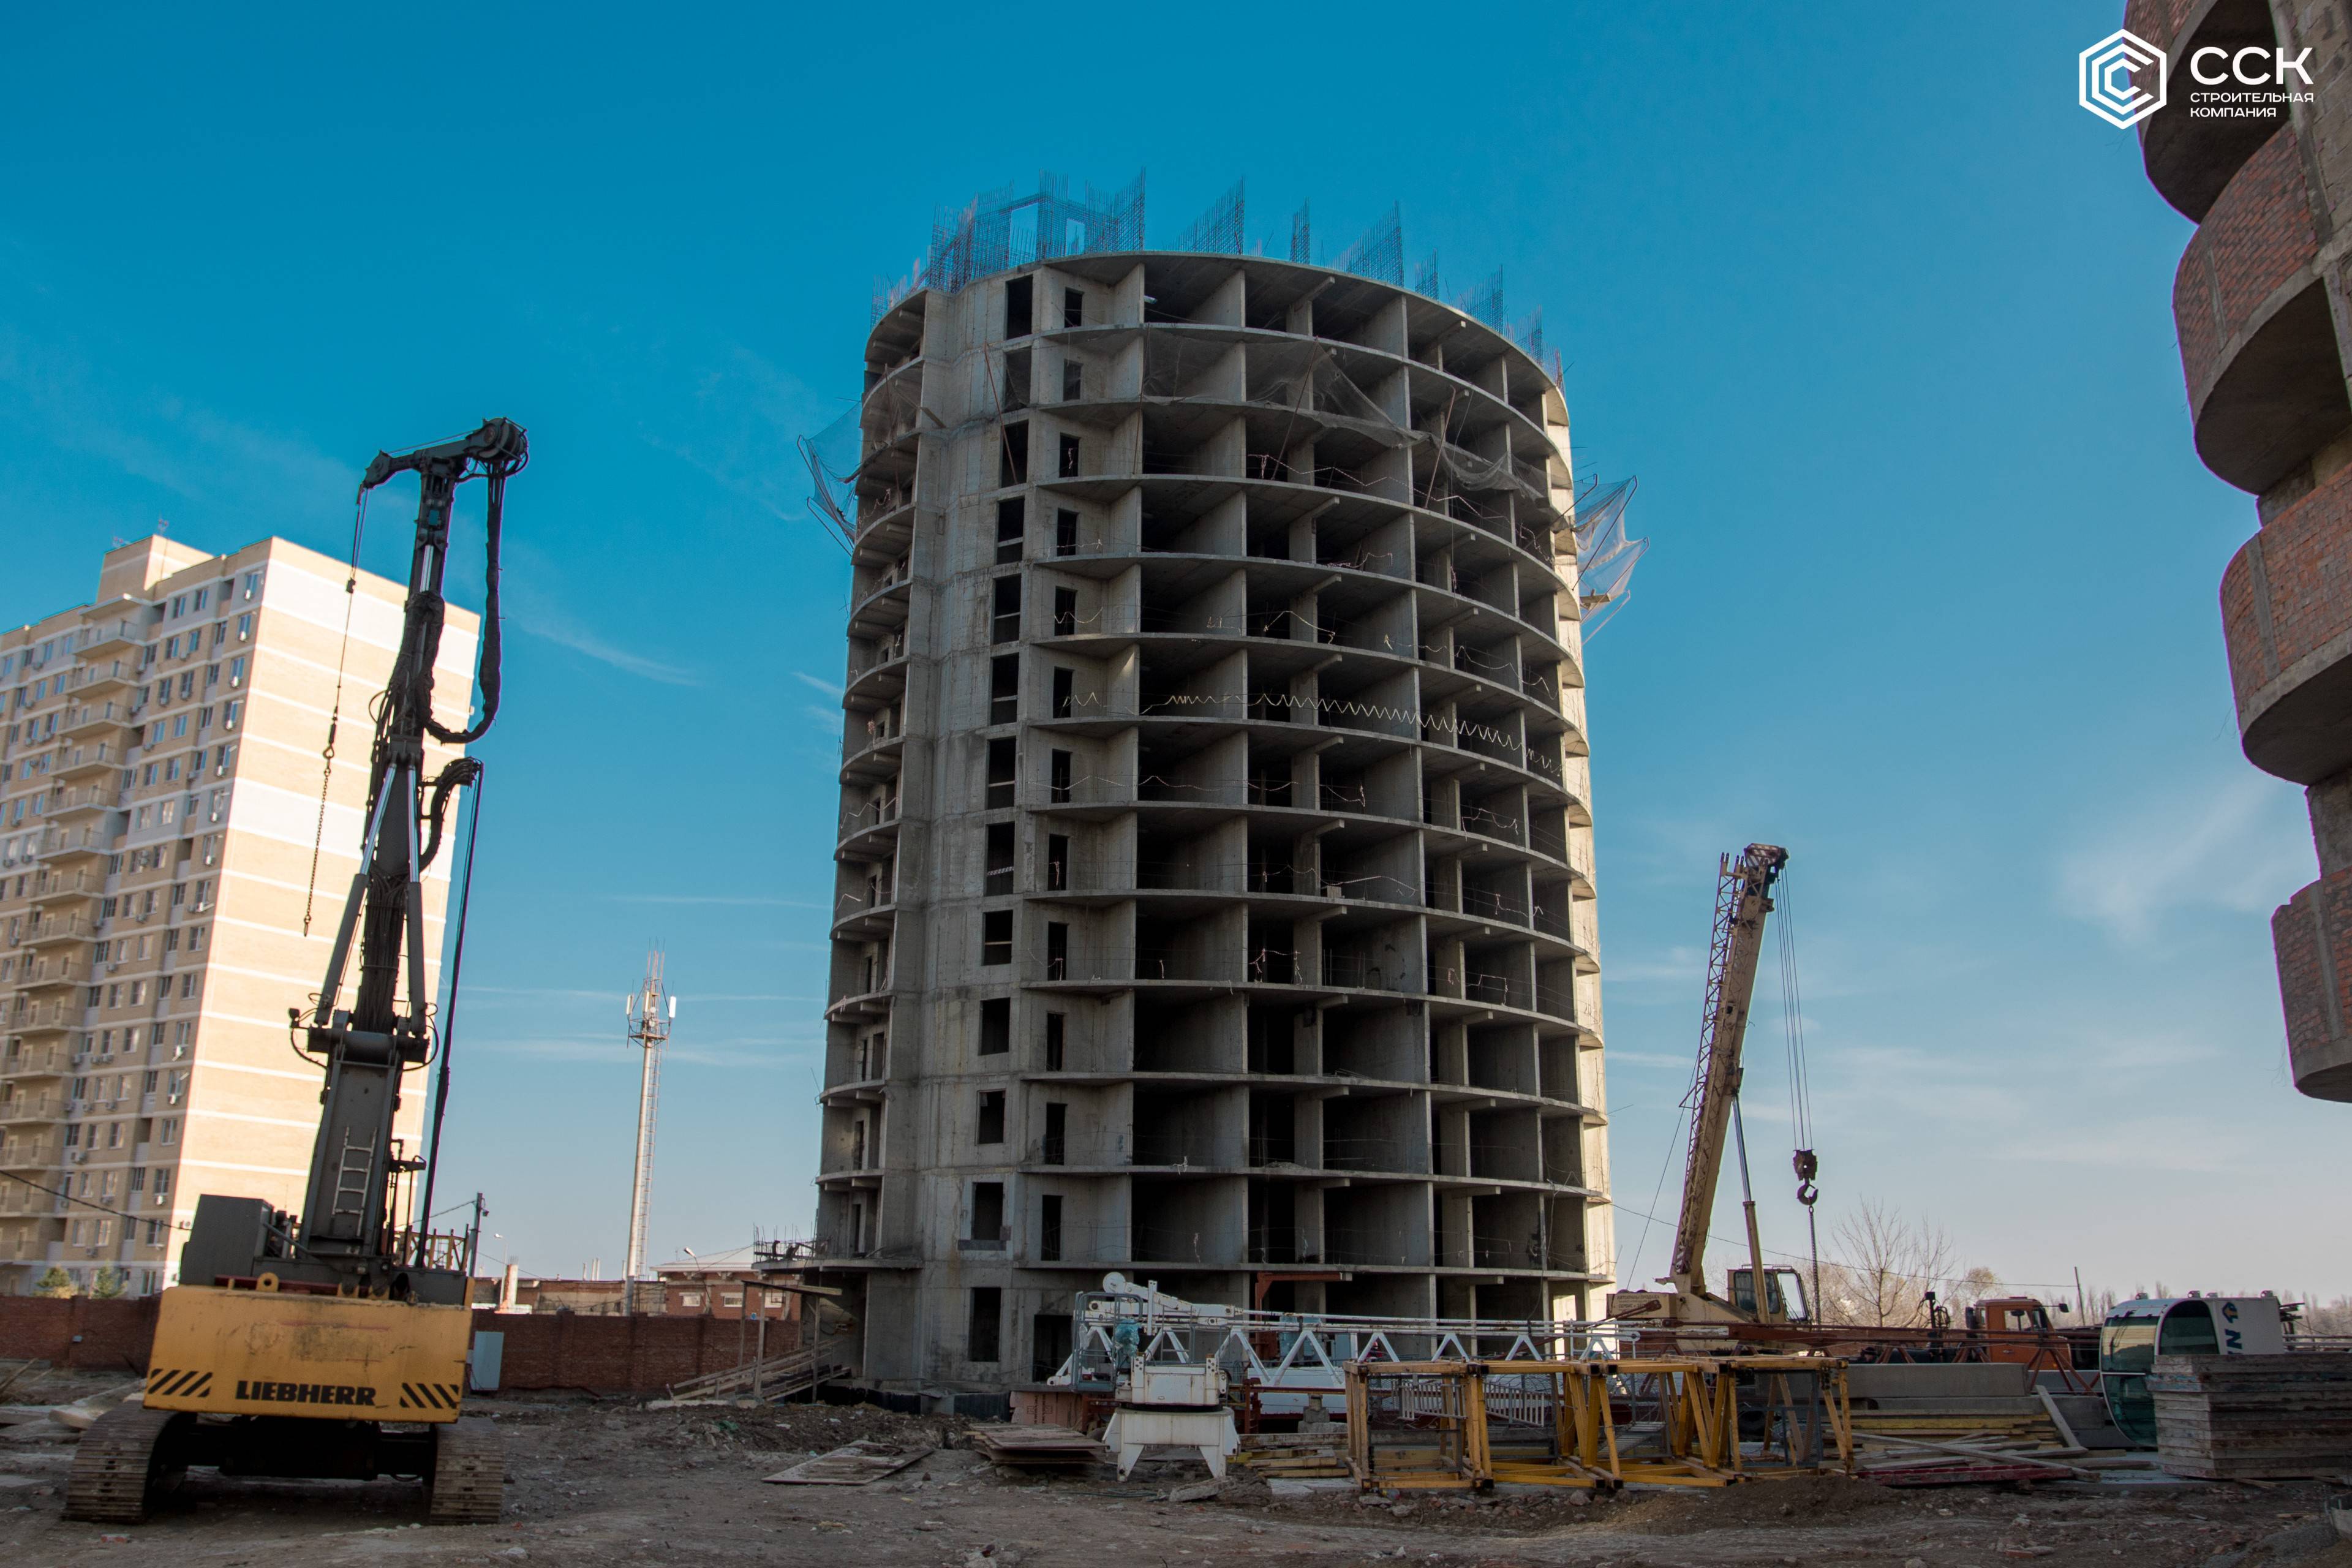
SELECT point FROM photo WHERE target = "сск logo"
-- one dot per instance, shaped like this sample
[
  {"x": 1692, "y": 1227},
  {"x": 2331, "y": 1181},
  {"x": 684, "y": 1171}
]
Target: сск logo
[{"x": 2108, "y": 84}]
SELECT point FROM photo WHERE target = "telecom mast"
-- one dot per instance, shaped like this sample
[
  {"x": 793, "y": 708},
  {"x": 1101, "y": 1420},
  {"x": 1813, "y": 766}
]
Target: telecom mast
[{"x": 650, "y": 1013}]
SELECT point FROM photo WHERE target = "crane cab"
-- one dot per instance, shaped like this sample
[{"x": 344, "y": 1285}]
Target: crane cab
[
  {"x": 2138, "y": 1331},
  {"x": 1784, "y": 1295}
]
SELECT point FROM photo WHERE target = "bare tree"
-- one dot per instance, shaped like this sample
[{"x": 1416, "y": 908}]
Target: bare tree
[{"x": 1886, "y": 1266}]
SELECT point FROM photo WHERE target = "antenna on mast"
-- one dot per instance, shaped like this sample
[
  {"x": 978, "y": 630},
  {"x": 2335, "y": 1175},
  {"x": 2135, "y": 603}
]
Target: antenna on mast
[{"x": 649, "y": 1021}]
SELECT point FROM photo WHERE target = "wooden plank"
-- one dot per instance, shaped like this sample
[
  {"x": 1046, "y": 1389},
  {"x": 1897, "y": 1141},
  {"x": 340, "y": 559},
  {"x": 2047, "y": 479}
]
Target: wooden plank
[{"x": 853, "y": 1463}]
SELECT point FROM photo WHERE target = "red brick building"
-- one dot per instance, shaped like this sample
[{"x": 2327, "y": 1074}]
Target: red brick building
[{"x": 2265, "y": 325}]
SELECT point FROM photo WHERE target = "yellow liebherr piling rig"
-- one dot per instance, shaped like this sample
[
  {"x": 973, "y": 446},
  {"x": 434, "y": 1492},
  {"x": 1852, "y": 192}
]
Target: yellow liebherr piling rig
[{"x": 335, "y": 1345}]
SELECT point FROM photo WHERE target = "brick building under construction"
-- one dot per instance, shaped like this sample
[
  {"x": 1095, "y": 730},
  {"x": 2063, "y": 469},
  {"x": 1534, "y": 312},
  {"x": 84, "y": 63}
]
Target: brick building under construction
[{"x": 2265, "y": 328}]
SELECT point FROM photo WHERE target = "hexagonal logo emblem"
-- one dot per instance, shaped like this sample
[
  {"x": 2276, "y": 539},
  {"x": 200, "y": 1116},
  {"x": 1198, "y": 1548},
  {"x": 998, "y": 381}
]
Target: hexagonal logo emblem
[{"x": 2113, "y": 77}]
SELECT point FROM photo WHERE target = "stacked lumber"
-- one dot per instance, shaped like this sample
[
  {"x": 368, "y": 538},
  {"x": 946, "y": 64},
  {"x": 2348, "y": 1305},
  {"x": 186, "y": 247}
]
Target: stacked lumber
[
  {"x": 1294, "y": 1456},
  {"x": 778, "y": 1377},
  {"x": 2253, "y": 1417},
  {"x": 1033, "y": 1445}
]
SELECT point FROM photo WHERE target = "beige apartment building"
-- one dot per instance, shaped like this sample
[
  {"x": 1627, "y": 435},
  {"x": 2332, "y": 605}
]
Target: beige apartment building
[{"x": 163, "y": 844}]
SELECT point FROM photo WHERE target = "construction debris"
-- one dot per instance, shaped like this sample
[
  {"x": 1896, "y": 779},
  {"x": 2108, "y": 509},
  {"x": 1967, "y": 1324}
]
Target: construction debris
[
  {"x": 853, "y": 1463},
  {"x": 778, "y": 1377}
]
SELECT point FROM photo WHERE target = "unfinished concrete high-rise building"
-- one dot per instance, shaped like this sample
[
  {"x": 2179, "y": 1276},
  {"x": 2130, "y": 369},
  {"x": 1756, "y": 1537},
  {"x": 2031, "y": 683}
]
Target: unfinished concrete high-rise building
[{"x": 1215, "y": 858}]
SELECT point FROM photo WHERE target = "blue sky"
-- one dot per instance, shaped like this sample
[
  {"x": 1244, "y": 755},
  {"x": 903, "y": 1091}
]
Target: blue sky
[{"x": 1879, "y": 317}]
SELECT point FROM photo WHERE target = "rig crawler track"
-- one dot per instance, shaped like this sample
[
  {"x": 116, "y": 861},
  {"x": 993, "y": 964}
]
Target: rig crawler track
[
  {"x": 116, "y": 1464},
  {"x": 469, "y": 1481}
]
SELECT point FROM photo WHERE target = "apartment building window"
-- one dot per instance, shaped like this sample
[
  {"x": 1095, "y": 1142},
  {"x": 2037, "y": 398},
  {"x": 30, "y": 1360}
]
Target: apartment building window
[
  {"x": 1020, "y": 317},
  {"x": 1012, "y": 527},
  {"x": 999, "y": 866},
  {"x": 245, "y": 626},
  {"x": 1004, "y": 615},
  {"x": 236, "y": 673},
  {"x": 991, "y": 1117},
  {"x": 1069, "y": 457},
  {"x": 1049, "y": 1231},
  {"x": 1058, "y": 862},
  {"x": 1012, "y": 459},
  {"x": 200, "y": 598},
  {"x": 996, "y": 938},
  {"x": 167, "y": 1132},
  {"x": 1057, "y": 949},
  {"x": 253, "y": 584},
  {"x": 1005, "y": 689},
  {"x": 1055, "y": 1149},
  {"x": 988, "y": 1211},
  {"x": 1001, "y": 774},
  {"x": 1074, "y": 380},
  {"x": 996, "y": 1026},
  {"x": 1074, "y": 307},
  {"x": 1066, "y": 612},
  {"x": 982, "y": 1331},
  {"x": 1065, "y": 695},
  {"x": 154, "y": 1233},
  {"x": 229, "y": 712},
  {"x": 212, "y": 676},
  {"x": 1058, "y": 782}
]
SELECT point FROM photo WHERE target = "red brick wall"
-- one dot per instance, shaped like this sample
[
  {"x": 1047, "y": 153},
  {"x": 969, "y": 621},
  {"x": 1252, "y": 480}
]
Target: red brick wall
[
  {"x": 2256, "y": 237},
  {"x": 2316, "y": 920},
  {"x": 115, "y": 1335},
  {"x": 2157, "y": 20},
  {"x": 2306, "y": 552},
  {"x": 543, "y": 1350}
]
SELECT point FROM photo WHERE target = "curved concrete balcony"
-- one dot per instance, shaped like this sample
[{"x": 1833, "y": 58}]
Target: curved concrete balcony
[
  {"x": 2312, "y": 935},
  {"x": 2257, "y": 344},
  {"x": 2287, "y": 617},
  {"x": 2190, "y": 158}
]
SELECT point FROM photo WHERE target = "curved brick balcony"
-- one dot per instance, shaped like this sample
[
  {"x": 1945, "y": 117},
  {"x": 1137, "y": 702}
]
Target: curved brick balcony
[
  {"x": 2287, "y": 616},
  {"x": 2311, "y": 934},
  {"x": 2191, "y": 159},
  {"x": 2256, "y": 344}
]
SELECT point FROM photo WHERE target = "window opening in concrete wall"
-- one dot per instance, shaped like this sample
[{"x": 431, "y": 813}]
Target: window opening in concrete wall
[
  {"x": 1058, "y": 778},
  {"x": 1019, "y": 313},
  {"x": 1066, "y": 532},
  {"x": 1001, "y": 755},
  {"x": 1074, "y": 380},
  {"x": 991, "y": 1117},
  {"x": 1012, "y": 464},
  {"x": 1058, "y": 862},
  {"x": 996, "y": 937},
  {"x": 1069, "y": 457},
  {"x": 1074, "y": 307},
  {"x": 1066, "y": 612},
  {"x": 981, "y": 1331},
  {"x": 1064, "y": 680},
  {"x": 1049, "y": 1250},
  {"x": 988, "y": 1211},
  {"x": 1005, "y": 689},
  {"x": 1057, "y": 1034},
  {"x": 1012, "y": 525},
  {"x": 1054, "y": 1148},
  {"x": 996, "y": 1026},
  {"x": 999, "y": 864},
  {"x": 1005, "y": 612},
  {"x": 1057, "y": 949}
]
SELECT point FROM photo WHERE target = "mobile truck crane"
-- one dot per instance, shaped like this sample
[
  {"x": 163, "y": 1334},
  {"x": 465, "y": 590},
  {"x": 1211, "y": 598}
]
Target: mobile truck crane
[
  {"x": 1743, "y": 897},
  {"x": 335, "y": 1345}
]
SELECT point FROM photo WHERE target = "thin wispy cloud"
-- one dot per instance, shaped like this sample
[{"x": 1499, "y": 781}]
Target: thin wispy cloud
[
  {"x": 745, "y": 901},
  {"x": 2234, "y": 845},
  {"x": 534, "y": 614},
  {"x": 831, "y": 688}
]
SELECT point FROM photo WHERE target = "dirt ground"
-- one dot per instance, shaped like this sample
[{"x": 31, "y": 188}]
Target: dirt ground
[{"x": 607, "y": 1481}]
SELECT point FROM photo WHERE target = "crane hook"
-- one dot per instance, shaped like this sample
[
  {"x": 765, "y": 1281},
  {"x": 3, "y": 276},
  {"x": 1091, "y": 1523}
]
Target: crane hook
[{"x": 1809, "y": 1166}]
